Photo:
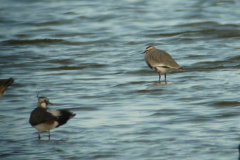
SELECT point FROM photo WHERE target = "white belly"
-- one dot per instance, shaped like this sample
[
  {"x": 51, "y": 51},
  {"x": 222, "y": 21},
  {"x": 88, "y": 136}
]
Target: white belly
[
  {"x": 45, "y": 127},
  {"x": 163, "y": 70}
]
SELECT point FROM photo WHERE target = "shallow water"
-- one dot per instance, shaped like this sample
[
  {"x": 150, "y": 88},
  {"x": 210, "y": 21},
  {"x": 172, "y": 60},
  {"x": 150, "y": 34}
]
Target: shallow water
[{"x": 85, "y": 55}]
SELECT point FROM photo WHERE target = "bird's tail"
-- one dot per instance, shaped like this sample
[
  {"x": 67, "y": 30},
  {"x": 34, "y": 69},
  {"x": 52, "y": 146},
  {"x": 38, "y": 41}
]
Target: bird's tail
[{"x": 65, "y": 115}]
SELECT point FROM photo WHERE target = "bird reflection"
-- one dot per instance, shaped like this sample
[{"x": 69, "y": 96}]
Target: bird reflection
[{"x": 157, "y": 83}]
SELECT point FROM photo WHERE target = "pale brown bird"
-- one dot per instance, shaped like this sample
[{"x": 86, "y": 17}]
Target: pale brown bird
[
  {"x": 4, "y": 83},
  {"x": 44, "y": 119},
  {"x": 160, "y": 61}
]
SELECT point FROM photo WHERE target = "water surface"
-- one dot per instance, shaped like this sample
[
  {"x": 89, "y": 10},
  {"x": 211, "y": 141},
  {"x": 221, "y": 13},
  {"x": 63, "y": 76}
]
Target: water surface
[{"x": 85, "y": 55}]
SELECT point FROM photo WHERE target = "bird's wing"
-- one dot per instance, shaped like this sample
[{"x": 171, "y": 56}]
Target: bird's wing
[
  {"x": 40, "y": 115},
  {"x": 163, "y": 59},
  {"x": 4, "y": 83}
]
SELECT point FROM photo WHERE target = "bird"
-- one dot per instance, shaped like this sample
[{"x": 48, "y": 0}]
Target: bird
[
  {"x": 4, "y": 83},
  {"x": 239, "y": 151},
  {"x": 160, "y": 61},
  {"x": 44, "y": 119}
]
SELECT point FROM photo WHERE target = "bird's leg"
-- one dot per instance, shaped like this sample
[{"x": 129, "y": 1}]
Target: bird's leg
[
  {"x": 166, "y": 77},
  {"x": 159, "y": 76},
  {"x": 39, "y": 137},
  {"x": 49, "y": 136}
]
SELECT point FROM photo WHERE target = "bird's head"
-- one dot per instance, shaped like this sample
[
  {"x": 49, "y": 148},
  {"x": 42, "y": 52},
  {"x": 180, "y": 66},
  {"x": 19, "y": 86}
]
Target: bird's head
[
  {"x": 43, "y": 102},
  {"x": 148, "y": 49}
]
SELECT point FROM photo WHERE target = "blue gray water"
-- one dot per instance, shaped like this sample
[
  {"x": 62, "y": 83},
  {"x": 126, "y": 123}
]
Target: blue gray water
[{"x": 85, "y": 55}]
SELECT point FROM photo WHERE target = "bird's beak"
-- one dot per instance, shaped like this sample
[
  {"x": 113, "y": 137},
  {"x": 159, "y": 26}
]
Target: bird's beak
[
  {"x": 51, "y": 103},
  {"x": 143, "y": 52}
]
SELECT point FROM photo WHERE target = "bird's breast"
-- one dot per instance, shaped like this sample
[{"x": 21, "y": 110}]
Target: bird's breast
[{"x": 49, "y": 122}]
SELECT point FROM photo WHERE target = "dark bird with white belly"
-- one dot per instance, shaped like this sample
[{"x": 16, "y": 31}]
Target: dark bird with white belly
[{"x": 44, "y": 119}]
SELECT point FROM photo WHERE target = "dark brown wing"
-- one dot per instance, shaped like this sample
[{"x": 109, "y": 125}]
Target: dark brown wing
[{"x": 4, "y": 83}]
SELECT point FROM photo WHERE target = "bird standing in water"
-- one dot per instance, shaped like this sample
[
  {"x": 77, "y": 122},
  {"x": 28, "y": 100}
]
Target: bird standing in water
[
  {"x": 160, "y": 61},
  {"x": 44, "y": 119}
]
